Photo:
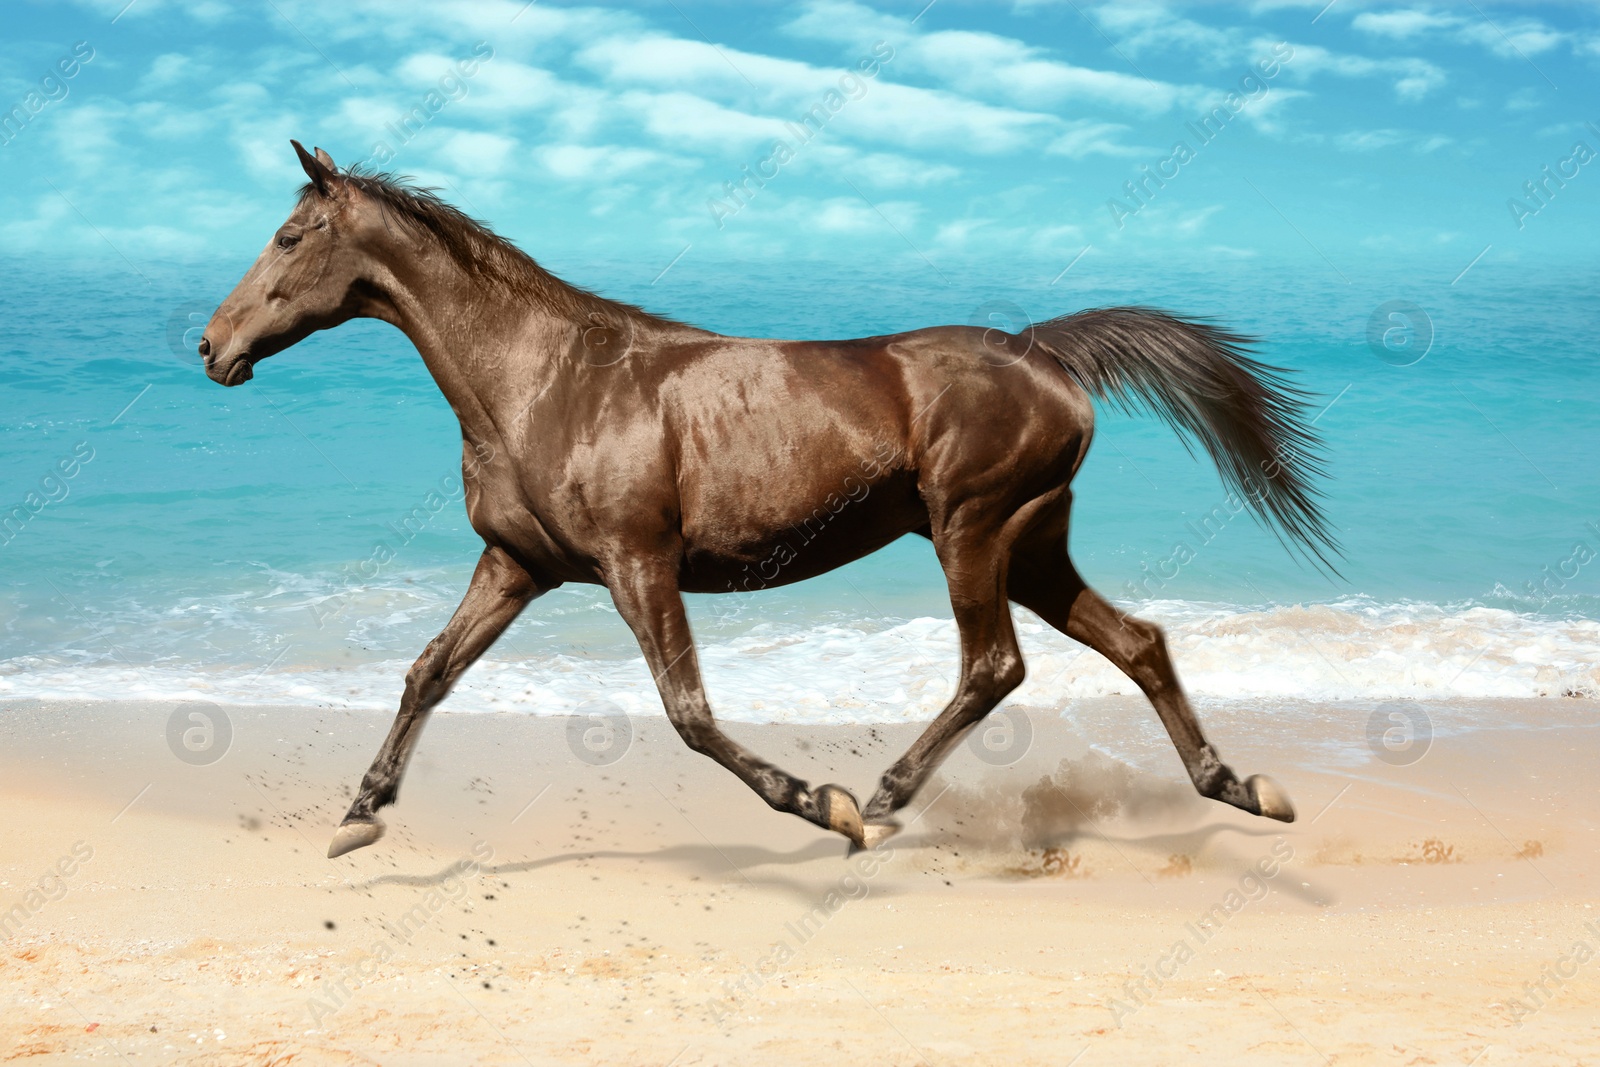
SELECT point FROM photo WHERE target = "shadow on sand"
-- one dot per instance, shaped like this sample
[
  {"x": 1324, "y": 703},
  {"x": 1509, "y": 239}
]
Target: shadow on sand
[{"x": 753, "y": 863}]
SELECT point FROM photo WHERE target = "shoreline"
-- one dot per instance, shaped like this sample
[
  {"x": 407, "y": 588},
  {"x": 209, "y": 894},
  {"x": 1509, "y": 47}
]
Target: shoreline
[{"x": 901, "y": 669}]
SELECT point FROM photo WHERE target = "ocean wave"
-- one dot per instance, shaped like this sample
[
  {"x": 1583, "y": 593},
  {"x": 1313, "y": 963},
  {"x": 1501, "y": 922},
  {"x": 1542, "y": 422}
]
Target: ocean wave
[{"x": 905, "y": 670}]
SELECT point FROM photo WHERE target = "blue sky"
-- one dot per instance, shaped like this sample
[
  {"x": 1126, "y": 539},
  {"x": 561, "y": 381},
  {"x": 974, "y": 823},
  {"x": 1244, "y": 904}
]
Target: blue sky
[{"x": 1357, "y": 132}]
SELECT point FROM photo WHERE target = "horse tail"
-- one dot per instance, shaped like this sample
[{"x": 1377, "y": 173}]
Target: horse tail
[{"x": 1202, "y": 380}]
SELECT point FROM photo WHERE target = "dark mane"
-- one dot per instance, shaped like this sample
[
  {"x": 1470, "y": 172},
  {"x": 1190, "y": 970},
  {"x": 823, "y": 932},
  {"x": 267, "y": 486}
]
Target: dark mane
[{"x": 480, "y": 251}]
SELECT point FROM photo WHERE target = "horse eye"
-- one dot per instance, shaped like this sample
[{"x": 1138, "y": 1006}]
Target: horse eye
[{"x": 287, "y": 241}]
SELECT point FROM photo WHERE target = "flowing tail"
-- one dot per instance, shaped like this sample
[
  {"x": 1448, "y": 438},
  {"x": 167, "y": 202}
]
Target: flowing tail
[{"x": 1202, "y": 381}]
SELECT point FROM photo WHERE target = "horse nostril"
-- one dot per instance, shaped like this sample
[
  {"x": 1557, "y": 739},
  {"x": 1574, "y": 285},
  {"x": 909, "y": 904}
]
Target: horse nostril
[{"x": 205, "y": 346}]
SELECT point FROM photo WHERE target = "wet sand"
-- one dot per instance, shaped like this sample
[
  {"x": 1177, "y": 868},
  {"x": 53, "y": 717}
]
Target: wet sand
[{"x": 529, "y": 907}]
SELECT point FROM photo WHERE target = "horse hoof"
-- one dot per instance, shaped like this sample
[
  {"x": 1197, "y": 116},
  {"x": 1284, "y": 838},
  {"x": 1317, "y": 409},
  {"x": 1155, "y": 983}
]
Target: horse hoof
[
  {"x": 1271, "y": 800},
  {"x": 874, "y": 834},
  {"x": 840, "y": 813},
  {"x": 353, "y": 834}
]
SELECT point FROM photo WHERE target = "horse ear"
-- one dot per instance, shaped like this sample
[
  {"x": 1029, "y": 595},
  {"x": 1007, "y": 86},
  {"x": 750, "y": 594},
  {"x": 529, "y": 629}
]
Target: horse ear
[
  {"x": 321, "y": 174},
  {"x": 325, "y": 159}
]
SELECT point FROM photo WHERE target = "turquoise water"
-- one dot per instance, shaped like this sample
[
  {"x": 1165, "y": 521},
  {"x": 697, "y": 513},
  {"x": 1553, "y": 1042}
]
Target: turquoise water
[{"x": 211, "y": 544}]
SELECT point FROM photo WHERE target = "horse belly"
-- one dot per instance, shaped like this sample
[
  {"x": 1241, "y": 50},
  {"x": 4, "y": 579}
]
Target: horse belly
[{"x": 792, "y": 538}]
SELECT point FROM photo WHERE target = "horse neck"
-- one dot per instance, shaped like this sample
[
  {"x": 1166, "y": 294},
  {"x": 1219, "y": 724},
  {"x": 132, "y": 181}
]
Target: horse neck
[{"x": 489, "y": 350}]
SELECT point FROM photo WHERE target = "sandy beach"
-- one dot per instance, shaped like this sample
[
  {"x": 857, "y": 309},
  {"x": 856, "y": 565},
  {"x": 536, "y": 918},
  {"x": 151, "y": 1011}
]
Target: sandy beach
[{"x": 529, "y": 906}]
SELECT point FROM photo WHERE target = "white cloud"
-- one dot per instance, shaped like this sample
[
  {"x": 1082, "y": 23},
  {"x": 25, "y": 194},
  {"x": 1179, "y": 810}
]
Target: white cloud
[
  {"x": 1265, "y": 113},
  {"x": 1369, "y": 140},
  {"x": 169, "y": 69},
  {"x": 208, "y": 11},
  {"x": 684, "y": 118},
  {"x": 88, "y": 135},
  {"x": 262, "y": 144},
  {"x": 946, "y": 122},
  {"x": 985, "y": 64},
  {"x": 50, "y": 218},
  {"x": 954, "y": 234},
  {"x": 697, "y": 66},
  {"x": 1513, "y": 38},
  {"x": 848, "y": 23},
  {"x": 1414, "y": 78},
  {"x": 575, "y": 162},
  {"x": 705, "y": 81},
  {"x": 503, "y": 86},
  {"x": 1141, "y": 27},
  {"x": 1407, "y": 243},
  {"x": 981, "y": 65},
  {"x": 1054, "y": 237},
  {"x": 1087, "y": 138},
  {"x": 1375, "y": 140},
  {"x": 515, "y": 27},
  {"x": 474, "y": 152},
  {"x": 851, "y": 214},
  {"x": 1162, "y": 220},
  {"x": 1525, "y": 99},
  {"x": 1190, "y": 223},
  {"x": 364, "y": 117},
  {"x": 885, "y": 169},
  {"x": 1518, "y": 39},
  {"x": 1402, "y": 24}
]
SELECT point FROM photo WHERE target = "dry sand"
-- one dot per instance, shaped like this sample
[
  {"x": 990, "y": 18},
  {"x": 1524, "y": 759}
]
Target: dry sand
[{"x": 530, "y": 908}]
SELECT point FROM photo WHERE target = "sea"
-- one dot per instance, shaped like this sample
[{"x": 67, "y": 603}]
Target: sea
[{"x": 177, "y": 541}]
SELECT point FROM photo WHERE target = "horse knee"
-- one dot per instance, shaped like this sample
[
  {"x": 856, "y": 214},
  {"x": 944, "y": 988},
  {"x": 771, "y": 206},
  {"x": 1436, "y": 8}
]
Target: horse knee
[
  {"x": 424, "y": 679},
  {"x": 417, "y": 679}
]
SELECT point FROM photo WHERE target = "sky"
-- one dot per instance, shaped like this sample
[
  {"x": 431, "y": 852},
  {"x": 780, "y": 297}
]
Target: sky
[{"x": 941, "y": 135}]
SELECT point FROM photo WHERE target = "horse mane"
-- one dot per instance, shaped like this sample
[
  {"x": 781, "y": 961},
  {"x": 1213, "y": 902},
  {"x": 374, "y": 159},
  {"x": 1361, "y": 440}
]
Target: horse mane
[{"x": 481, "y": 252}]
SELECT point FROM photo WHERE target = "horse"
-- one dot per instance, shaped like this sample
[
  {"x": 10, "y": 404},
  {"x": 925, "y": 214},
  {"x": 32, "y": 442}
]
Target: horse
[{"x": 654, "y": 458}]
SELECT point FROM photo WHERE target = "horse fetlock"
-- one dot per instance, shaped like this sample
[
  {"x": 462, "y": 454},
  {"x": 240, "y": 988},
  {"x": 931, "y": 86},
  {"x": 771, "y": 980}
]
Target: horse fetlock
[
  {"x": 1214, "y": 779},
  {"x": 375, "y": 793},
  {"x": 786, "y": 793},
  {"x": 894, "y": 790},
  {"x": 879, "y": 807},
  {"x": 1234, "y": 792},
  {"x": 802, "y": 802},
  {"x": 1258, "y": 794}
]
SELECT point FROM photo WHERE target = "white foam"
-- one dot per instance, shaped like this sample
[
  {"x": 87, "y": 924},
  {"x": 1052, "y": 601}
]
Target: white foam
[{"x": 906, "y": 670}]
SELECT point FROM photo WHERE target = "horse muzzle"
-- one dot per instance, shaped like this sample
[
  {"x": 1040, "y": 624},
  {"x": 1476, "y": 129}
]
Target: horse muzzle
[{"x": 228, "y": 370}]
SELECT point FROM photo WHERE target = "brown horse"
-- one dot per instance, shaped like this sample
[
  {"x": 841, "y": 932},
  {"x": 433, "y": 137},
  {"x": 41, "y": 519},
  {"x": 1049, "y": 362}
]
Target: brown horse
[{"x": 654, "y": 458}]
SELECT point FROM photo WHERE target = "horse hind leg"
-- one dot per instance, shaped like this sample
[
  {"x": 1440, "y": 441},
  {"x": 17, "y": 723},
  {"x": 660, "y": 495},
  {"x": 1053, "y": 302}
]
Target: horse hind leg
[{"x": 1044, "y": 580}]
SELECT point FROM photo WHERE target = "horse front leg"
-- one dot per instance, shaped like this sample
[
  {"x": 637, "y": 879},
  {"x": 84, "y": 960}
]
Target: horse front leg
[
  {"x": 500, "y": 589},
  {"x": 649, "y": 601}
]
